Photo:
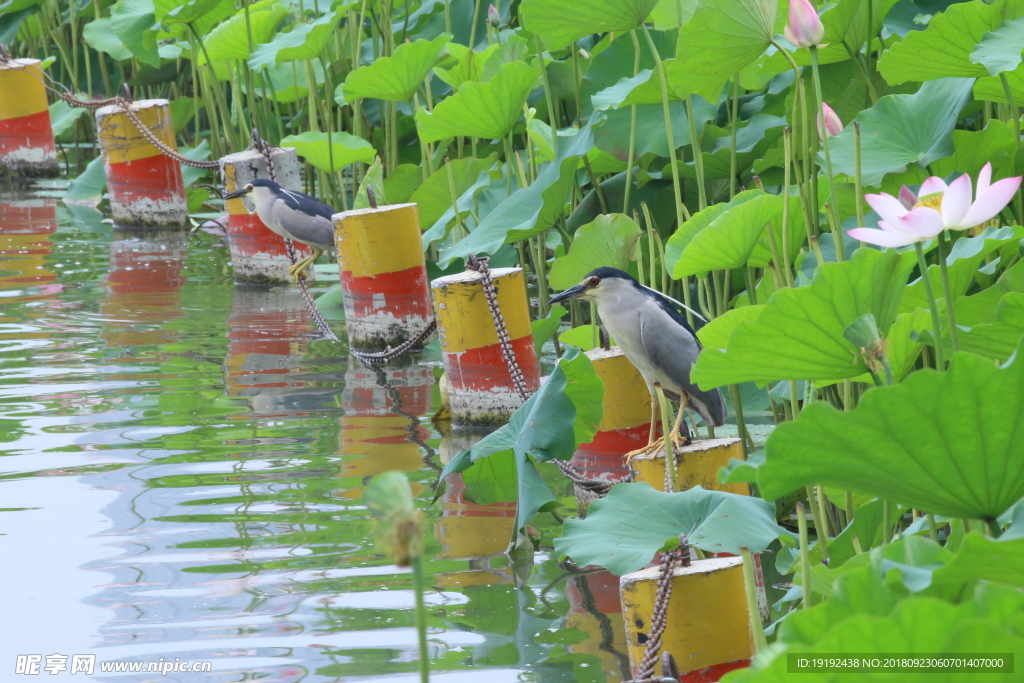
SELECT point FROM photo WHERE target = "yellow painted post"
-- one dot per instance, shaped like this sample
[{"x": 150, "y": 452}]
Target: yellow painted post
[
  {"x": 696, "y": 465},
  {"x": 27, "y": 148},
  {"x": 480, "y": 388},
  {"x": 625, "y": 423},
  {"x": 383, "y": 275},
  {"x": 707, "y": 621},
  {"x": 258, "y": 255},
  {"x": 146, "y": 188}
]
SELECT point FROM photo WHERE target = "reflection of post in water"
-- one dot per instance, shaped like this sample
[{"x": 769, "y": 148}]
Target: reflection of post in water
[
  {"x": 265, "y": 330},
  {"x": 26, "y": 224},
  {"x": 468, "y": 530},
  {"x": 144, "y": 284},
  {"x": 596, "y": 611},
  {"x": 380, "y": 430}
]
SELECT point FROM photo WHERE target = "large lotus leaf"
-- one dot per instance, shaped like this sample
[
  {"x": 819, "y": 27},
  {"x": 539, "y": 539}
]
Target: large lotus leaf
[
  {"x": 947, "y": 443},
  {"x": 722, "y": 37},
  {"x": 874, "y": 620},
  {"x": 397, "y": 77},
  {"x": 434, "y": 196},
  {"x": 973, "y": 149},
  {"x": 944, "y": 48},
  {"x": 469, "y": 67},
  {"x": 303, "y": 41},
  {"x": 670, "y": 14},
  {"x": 800, "y": 331},
  {"x": 682, "y": 237},
  {"x": 173, "y": 12},
  {"x": 962, "y": 264},
  {"x": 1000, "y": 50},
  {"x": 553, "y": 422},
  {"x": 624, "y": 530},
  {"x": 481, "y": 110},
  {"x": 230, "y": 40},
  {"x": 529, "y": 210},
  {"x": 715, "y": 335},
  {"x": 903, "y": 129},
  {"x": 88, "y": 187},
  {"x": 63, "y": 116},
  {"x": 981, "y": 307},
  {"x": 101, "y": 37},
  {"x": 990, "y": 88},
  {"x": 610, "y": 240},
  {"x": 468, "y": 202},
  {"x": 727, "y": 241},
  {"x": 560, "y": 22},
  {"x": 134, "y": 22},
  {"x": 998, "y": 339},
  {"x": 342, "y": 150}
]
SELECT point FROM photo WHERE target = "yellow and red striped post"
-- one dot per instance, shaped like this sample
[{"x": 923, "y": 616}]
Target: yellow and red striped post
[
  {"x": 383, "y": 275},
  {"x": 480, "y": 388},
  {"x": 258, "y": 255},
  {"x": 625, "y": 424},
  {"x": 27, "y": 148},
  {"x": 707, "y": 623},
  {"x": 145, "y": 185},
  {"x": 696, "y": 465}
]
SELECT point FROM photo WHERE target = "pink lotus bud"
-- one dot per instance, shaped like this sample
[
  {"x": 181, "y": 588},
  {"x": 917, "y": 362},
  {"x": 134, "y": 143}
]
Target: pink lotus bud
[
  {"x": 804, "y": 28},
  {"x": 492, "y": 16},
  {"x": 833, "y": 126}
]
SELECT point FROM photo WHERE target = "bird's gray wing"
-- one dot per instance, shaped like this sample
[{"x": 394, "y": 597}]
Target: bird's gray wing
[
  {"x": 315, "y": 229},
  {"x": 673, "y": 350}
]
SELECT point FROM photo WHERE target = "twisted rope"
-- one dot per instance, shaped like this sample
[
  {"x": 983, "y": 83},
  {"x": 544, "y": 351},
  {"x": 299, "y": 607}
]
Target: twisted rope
[{"x": 659, "y": 617}]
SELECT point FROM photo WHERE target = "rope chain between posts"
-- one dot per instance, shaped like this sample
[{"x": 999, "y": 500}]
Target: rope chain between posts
[
  {"x": 659, "y": 616},
  {"x": 325, "y": 331}
]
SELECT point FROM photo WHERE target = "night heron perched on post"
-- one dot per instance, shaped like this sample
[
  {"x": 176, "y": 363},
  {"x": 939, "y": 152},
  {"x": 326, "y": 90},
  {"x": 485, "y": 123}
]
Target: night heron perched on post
[
  {"x": 655, "y": 338},
  {"x": 292, "y": 215}
]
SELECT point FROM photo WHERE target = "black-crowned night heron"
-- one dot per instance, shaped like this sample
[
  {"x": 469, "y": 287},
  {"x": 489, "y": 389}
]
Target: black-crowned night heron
[
  {"x": 654, "y": 337},
  {"x": 292, "y": 215}
]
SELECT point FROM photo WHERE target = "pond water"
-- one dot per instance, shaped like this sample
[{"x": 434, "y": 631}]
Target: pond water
[{"x": 181, "y": 475}]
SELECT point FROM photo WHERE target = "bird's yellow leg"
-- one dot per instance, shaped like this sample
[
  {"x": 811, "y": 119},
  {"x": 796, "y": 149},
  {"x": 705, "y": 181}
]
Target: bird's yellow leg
[
  {"x": 653, "y": 446},
  {"x": 670, "y": 451},
  {"x": 678, "y": 441},
  {"x": 298, "y": 270}
]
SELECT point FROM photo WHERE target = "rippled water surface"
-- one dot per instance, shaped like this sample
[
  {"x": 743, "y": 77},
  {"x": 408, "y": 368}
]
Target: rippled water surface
[{"x": 181, "y": 476}]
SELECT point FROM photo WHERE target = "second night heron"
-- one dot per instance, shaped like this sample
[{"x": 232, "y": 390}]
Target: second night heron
[
  {"x": 655, "y": 338},
  {"x": 292, "y": 215}
]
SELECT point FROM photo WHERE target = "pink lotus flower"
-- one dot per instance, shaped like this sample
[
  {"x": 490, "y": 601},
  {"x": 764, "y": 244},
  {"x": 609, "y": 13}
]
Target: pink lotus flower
[
  {"x": 910, "y": 219},
  {"x": 804, "y": 28},
  {"x": 492, "y": 16},
  {"x": 833, "y": 125}
]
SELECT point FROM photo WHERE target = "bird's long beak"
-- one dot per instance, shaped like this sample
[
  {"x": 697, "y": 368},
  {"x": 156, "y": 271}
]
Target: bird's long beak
[
  {"x": 236, "y": 194},
  {"x": 570, "y": 293}
]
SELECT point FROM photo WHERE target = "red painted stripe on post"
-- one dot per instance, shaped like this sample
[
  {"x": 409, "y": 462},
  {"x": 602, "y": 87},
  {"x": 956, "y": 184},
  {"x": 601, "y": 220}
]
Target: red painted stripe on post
[
  {"x": 249, "y": 236},
  {"x": 401, "y": 293},
  {"x": 157, "y": 178},
  {"x": 32, "y": 131},
  {"x": 484, "y": 368},
  {"x": 713, "y": 674}
]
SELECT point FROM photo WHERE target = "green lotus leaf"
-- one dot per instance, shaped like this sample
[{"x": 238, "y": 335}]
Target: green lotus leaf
[
  {"x": 560, "y": 22},
  {"x": 799, "y": 333},
  {"x": 397, "y": 77},
  {"x": 304, "y": 41},
  {"x": 1000, "y": 50},
  {"x": 468, "y": 67},
  {"x": 722, "y": 37},
  {"x": 946, "y": 443},
  {"x": 230, "y": 40},
  {"x": 903, "y": 129},
  {"x": 626, "y": 528},
  {"x": 342, "y": 150},
  {"x": 134, "y": 22},
  {"x": 481, "y": 110},
  {"x": 434, "y": 196},
  {"x": 944, "y": 48},
  {"x": 729, "y": 239},
  {"x": 610, "y": 240}
]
